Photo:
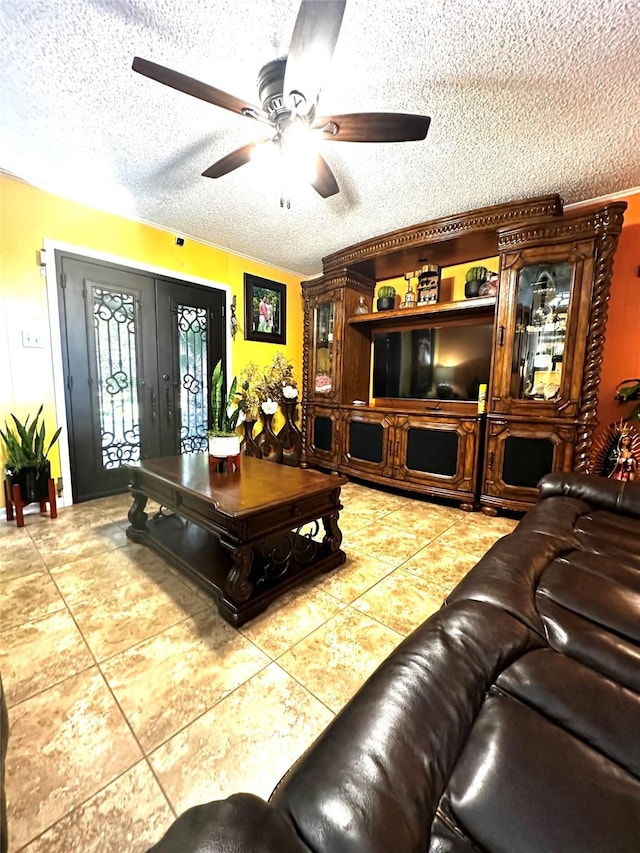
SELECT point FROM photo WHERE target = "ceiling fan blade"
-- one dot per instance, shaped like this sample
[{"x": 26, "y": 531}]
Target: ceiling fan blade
[
  {"x": 232, "y": 161},
  {"x": 325, "y": 182},
  {"x": 374, "y": 127},
  {"x": 190, "y": 86},
  {"x": 314, "y": 39}
]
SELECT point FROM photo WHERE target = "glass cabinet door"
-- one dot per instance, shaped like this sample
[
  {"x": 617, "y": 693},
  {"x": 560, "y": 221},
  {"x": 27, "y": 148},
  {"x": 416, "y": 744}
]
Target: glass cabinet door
[
  {"x": 323, "y": 362},
  {"x": 537, "y": 362}
]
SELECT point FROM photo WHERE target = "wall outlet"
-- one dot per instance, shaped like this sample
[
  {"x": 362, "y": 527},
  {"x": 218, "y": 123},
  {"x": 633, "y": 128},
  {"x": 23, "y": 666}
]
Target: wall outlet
[{"x": 31, "y": 339}]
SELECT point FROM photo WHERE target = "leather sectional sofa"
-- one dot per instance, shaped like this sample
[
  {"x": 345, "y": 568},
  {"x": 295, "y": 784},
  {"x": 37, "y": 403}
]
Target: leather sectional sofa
[{"x": 509, "y": 721}]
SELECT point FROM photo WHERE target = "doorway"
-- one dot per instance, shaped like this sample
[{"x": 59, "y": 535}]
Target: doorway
[{"x": 138, "y": 350}]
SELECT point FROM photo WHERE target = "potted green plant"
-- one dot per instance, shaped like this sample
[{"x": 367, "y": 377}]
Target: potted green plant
[
  {"x": 628, "y": 391},
  {"x": 225, "y": 412},
  {"x": 27, "y": 464},
  {"x": 386, "y": 298}
]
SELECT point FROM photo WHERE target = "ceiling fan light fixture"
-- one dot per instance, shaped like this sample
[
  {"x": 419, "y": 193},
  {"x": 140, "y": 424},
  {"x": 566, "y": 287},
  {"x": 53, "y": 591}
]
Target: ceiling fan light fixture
[
  {"x": 292, "y": 116},
  {"x": 298, "y": 150}
]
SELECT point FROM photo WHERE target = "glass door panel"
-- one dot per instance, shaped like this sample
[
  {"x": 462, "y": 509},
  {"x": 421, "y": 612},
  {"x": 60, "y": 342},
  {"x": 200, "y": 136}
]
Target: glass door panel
[
  {"x": 193, "y": 377},
  {"x": 537, "y": 366},
  {"x": 324, "y": 377},
  {"x": 115, "y": 331}
]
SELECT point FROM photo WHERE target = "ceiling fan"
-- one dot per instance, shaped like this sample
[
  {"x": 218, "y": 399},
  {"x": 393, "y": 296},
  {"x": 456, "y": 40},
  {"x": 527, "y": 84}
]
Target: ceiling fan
[{"x": 288, "y": 89}]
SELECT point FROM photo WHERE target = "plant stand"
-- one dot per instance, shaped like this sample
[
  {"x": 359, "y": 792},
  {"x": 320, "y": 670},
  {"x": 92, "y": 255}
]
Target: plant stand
[
  {"x": 13, "y": 501},
  {"x": 225, "y": 464}
]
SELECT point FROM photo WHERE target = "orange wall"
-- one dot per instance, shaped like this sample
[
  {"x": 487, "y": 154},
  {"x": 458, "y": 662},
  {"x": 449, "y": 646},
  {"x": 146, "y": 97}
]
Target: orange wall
[{"x": 622, "y": 343}]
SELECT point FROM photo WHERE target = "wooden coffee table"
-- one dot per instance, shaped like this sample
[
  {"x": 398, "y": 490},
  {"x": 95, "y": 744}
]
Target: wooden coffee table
[{"x": 238, "y": 533}]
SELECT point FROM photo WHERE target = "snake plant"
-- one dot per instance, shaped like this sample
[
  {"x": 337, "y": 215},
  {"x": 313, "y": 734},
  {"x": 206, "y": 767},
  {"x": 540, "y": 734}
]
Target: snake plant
[{"x": 25, "y": 446}]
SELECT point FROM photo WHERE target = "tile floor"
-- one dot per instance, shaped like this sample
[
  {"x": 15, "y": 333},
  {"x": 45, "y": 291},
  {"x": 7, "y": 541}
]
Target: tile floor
[{"x": 131, "y": 700}]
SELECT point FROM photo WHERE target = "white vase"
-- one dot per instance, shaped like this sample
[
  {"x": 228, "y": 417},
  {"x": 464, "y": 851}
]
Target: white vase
[{"x": 222, "y": 446}]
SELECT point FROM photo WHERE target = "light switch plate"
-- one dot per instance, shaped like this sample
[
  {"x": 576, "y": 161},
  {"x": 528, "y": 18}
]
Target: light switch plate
[{"x": 31, "y": 339}]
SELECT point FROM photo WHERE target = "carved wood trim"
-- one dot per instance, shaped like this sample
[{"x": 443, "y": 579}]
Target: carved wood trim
[
  {"x": 587, "y": 420},
  {"x": 339, "y": 279},
  {"x": 593, "y": 223},
  {"x": 445, "y": 228},
  {"x": 306, "y": 309}
]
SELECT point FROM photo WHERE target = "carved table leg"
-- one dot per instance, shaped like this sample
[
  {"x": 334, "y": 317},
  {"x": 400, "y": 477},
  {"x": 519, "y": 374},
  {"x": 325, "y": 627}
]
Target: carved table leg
[
  {"x": 137, "y": 517},
  {"x": 237, "y": 586},
  {"x": 333, "y": 535}
]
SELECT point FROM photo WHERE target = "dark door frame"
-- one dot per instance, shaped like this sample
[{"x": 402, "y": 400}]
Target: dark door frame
[{"x": 49, "y": 271}]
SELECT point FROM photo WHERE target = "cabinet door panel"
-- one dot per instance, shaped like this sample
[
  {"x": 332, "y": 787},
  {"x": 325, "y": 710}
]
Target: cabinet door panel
[
  {"x": 368, "y": 442},
  {"x": 321, "y": 446},
  {"x": 518, "y": 455},
  {"x": 539, "y": 350},
  {"x": 324, "y": 349},
  {"x": 432, "y": 451},
  {"x": 438, "y": 452}
]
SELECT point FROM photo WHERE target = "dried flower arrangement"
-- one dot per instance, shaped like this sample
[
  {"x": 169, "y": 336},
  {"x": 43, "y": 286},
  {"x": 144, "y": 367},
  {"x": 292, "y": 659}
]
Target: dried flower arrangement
[{"x": 269, "y": 384}]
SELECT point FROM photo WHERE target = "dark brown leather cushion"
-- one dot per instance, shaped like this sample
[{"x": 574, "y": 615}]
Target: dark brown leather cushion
[{"x": 508, "y": 721}]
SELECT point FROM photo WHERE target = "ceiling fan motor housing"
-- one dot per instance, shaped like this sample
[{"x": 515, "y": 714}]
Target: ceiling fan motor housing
[{"x": 270, "y": 91}]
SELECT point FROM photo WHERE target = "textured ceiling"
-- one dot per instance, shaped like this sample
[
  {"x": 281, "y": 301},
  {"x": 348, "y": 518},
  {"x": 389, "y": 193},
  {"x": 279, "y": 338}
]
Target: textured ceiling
[{"x": 526, "y": 97}]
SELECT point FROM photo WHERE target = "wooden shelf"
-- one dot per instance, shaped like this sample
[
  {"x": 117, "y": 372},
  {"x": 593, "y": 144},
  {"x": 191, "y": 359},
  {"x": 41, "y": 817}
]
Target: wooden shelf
[{"x": 441, "y": 310}]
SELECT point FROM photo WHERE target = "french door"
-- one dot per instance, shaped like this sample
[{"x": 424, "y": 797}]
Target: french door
[{"x": 138, "y": 352}]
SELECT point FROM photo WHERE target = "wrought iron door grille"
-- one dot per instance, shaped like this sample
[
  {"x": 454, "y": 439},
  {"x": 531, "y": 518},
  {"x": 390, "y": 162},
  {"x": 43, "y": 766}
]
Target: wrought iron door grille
[
  {"x": 192, "y": 360},
  {"x": 114, "y": 318}
]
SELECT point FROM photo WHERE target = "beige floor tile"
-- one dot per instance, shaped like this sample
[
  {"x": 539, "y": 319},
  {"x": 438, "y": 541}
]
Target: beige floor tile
[
  {"x": 116, "y": 507},
  {"x": 374, "y": 507},
  {"x": 76, "y": 534},
  {"x": 187, "y": 669},
  {"x": 289, "y": 618},
  {"x": 75, "y": 776},
  {"x": 334, "y": 661},
  {"x": 9, "y": 531},
  {"x": 426, "y": 522},
  {"x": 499, "y": 525},
  {"x": 96, "y": 575},
  {"x": 400, "y": 601},
  {"x": 38, "y": 654},
  {"x": 127, "y": 816},
  {"x": 75, "y": 515},
  {"x": 471, "y": 537},
  {"x": 359, "y": 573},
  {"x": 18, "y": 555},
  {"x": 66, "y": 744},
  {"x": 349, "y": 522},
  {"x": 28, "y": 597},
  {"x": 442, "y": 565},
  {"x": 142, "y": 599},
  {"x": 245, "y": 743},
  {"x": 385, "y": 542}
]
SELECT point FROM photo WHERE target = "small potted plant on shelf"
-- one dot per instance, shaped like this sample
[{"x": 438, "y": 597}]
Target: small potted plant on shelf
[
  {"x": 225, "y": 414},
  {"x": 386, "y": 298},
  {"x": 473, "y": 280},
  {"x": 27, "y": 464}
]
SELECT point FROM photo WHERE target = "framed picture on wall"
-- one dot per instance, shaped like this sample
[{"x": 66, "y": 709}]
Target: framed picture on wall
[{"x": 265, "y": 310}]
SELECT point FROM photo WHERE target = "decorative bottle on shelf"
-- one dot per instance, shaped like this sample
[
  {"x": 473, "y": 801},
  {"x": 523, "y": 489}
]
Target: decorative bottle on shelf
[
  {"x": 361, "y": 307},
  {"x": 429, "y": 284},
  {"x": 410, "y": 295}
]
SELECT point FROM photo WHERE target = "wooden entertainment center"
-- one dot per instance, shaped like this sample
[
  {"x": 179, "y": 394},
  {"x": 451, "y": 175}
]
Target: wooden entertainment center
[{"x": 547, "y": 334}]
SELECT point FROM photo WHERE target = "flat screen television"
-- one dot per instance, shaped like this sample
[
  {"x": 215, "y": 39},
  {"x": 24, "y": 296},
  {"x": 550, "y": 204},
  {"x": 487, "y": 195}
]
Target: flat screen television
[{"x": 439, "y": 363}]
